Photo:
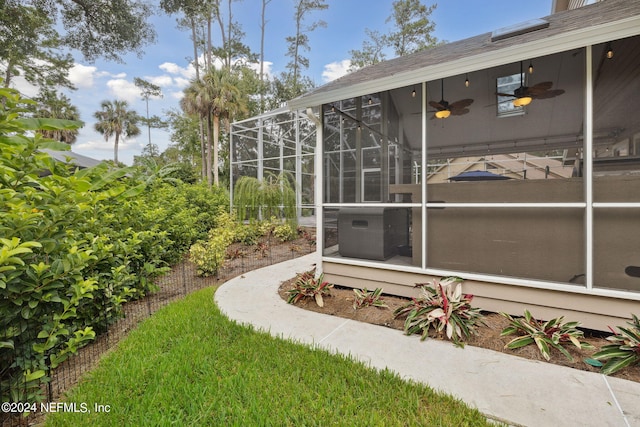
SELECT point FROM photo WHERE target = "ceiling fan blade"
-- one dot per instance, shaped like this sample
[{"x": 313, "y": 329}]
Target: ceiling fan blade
[
  {"x": 463, "y": 103},
  {"x": 459, "y": 112},
  {"x": 437, "y": 105},
  {"x": 506, "y": 94},
  {"x": 548, "y": 94},
  {"x": 539, "y": 88}
]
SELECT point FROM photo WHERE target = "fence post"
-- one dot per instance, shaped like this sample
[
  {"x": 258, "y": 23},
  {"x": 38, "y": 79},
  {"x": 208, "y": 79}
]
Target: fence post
[
  {"x": 148, "y": 298},
  {"x": 47, "y": 362},
  {"x": 184, "y": 277},
  {"x": 106, "y": 319}
]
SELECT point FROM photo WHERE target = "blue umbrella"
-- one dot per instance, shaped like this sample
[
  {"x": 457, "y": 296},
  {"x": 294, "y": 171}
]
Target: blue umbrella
[{"x": 478, "y": 176}]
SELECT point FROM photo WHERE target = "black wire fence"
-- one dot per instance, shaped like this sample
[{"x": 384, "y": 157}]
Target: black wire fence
[{"x": 179, "y": 282}]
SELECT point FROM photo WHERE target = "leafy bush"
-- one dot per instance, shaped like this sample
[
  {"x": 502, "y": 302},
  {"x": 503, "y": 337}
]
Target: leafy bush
[
  {"x": 41, "y": 260},
  {"x": 365, "y": 298},
  {"x": 625, "y": 350},
  {"x": 308, "y": 286},
  {"x": 248, "y": 234},
  {"x": 76, "y": 244},
  {"x": 209, "y": 256},
  {"x": 551, "y": 334},
  {"x": 185, "y": 212},
  {"x": 443, "y": 307},
  {"x": 285, "y": 232}
]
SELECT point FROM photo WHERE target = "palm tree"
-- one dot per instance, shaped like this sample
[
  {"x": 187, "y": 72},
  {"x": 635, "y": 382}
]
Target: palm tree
[
  {"x": 216, "y": 96},
  {"x": 115, "y": 120},
  {"x": 196, "y": 102},
  {"x": 52, "y": 105}
]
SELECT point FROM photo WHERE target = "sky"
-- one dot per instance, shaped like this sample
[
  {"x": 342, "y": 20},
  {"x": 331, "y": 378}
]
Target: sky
[{"x": 166, "y": 63}]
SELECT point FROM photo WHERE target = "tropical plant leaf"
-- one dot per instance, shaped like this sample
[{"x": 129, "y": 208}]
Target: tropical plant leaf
[
  {"x": 519, "y": 342},
  {"x": 614, "y": 365},
  {"x": 108, "y": 178},
  {"x": 443, "y": 307},
  {"x": 54, "y": 145},
  {"x": 33, "y": 123},
  {"x": 553, "y": 332},
  {"x": 610, "y": 352}
]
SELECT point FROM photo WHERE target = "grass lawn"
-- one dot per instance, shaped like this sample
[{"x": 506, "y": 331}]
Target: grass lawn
[{"x": 189, "y": 365}]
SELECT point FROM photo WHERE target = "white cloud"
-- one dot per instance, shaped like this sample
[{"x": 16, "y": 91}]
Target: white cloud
[
  {"x": 124, "y": 144},
  {"x": 124, "y": 90},
  {"x": 268, "y": 68},
  {"x": 82, "y": 75},
  {"x": 177, "y": 95},
  {"x": 187, "y": 72},
  {"x": 181, "y": 82},
  {"x": 25, "y": 88},
  {"x": 108, "y": 74},
  {"x": 335, "y": 70},
  {"x": 161, "y": 81}
]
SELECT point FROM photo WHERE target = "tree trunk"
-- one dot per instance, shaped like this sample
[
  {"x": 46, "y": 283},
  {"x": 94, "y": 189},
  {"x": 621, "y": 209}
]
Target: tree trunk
[
  {"x": 203, "y": 150},
  {"x": 209, "y": 148},
  {"x": 196, "y": 64},
  {"x": 299, "y": 14},
  {"x": 194, "y": 37},
  {"x": 115, "y": 149},
  {"x": 228, "y": 50},
  {"x": 208, "y": 56},
  {"x": 216, "y": 131},
  {"x": 224, "y": 39},
  {"x": 7, "y": 75},
  {"x": 262, "y": 27}
]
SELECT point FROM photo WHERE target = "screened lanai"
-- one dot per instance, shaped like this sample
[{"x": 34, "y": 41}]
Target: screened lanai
[
  {"x": 275, "y": 143},
  {"x": 548, "y": 112}
]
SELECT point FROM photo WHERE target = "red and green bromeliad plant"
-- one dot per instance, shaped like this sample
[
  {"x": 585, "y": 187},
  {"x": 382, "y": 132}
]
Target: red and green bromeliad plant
[
  {"x": 308, "y": 286},
  {"x": 443, "y": 307}
]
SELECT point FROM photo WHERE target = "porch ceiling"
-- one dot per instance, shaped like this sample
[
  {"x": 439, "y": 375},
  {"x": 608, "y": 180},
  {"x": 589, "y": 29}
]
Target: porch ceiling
[{"x": 596, "y": 23}]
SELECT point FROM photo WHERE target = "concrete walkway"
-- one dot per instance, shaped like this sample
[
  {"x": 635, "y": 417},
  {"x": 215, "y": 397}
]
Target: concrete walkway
[{"x": 507, "y": 388}]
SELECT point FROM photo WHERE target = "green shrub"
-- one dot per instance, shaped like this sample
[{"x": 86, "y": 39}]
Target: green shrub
[
  {"x": 77, "y": 244},
  {"x": 248, "y": 234},
  {"x": 209, "y": 256},
  {"x": 285, "y": 232}
]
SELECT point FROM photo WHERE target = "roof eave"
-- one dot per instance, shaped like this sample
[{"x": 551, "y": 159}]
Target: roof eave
[{"x": 545, "y": 46}]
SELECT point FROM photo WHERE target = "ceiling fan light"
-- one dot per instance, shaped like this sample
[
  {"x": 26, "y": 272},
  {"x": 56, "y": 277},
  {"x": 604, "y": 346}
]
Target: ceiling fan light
[
  {"x": 521, "y": 102},
  {"x": 442, "y": 114}
]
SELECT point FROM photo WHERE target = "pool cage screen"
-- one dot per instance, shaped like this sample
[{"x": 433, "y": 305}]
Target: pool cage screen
[{"x": 276, "y": 142}]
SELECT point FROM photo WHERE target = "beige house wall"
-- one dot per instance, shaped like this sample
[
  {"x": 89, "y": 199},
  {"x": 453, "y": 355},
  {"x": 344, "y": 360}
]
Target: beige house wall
[{"x": 594, "y": 312}]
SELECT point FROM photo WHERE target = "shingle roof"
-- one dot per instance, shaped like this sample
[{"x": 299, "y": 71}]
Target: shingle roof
[
  {"x": 72, "y": 158},
  {"x": 560, "y": 25}
]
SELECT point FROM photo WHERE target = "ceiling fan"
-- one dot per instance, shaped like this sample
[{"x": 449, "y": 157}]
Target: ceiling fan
[
  {"x": 524, "y": 95},
  {"x": 444, "y": 109}
]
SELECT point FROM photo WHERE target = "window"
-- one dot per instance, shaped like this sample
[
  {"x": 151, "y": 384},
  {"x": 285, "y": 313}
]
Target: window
[{"x": 508, "y": 84}]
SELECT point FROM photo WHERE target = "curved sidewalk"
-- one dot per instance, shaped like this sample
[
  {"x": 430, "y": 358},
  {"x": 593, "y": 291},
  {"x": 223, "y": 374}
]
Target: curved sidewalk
[{"x": 505, "y": 388}]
